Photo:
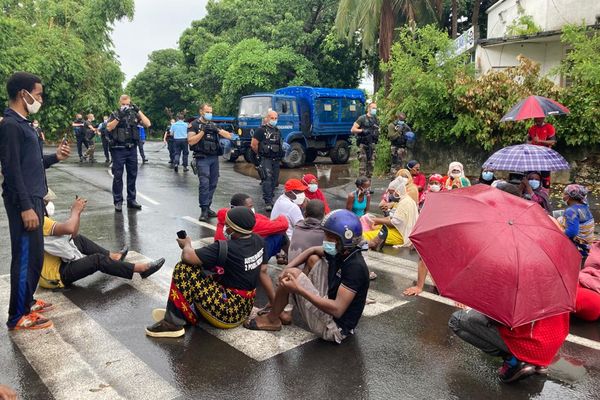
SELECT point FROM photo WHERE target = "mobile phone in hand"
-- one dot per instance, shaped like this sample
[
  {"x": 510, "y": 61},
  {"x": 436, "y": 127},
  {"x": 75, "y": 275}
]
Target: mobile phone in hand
[{"x": 182, "y": 234}]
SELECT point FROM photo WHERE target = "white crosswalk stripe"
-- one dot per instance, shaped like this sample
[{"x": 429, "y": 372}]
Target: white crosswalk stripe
[{"x": 78, "y": 359}]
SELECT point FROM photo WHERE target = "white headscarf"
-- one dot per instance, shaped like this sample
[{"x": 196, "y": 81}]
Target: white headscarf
[
  {"x": 405, "y": 215},
  {"x": 397, "y": 183},
  {"x": 456, "y": 165}
]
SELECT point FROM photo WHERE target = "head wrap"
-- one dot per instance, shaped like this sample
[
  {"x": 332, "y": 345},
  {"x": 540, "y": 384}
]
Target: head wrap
[
  {"x": 397, "y": 183},
  {"x": 411, "y": 164},
  {"x": 307, "y": 178},
  {"x": 241, "y": 220},
  {"x": 456, "y": 165},
  {"x": 577, "y": 192},
  {"x": 404, "y": 173},
  {"x": 436, "y": 178}
]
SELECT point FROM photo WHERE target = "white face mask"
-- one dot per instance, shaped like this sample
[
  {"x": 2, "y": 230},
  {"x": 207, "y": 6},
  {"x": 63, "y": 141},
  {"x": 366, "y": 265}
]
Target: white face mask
[
  {"x": 313, "y": 187},
  {"x": 50, "y": 209},
  {"x": 225, "y": 233},
  {"x": 435, "y": 188},
  {"x": 300, "y": 197},
  {"x": 253, "y": 210},
  {"x": 456, "y": 174},
  {"x": 33, "y": 107}
]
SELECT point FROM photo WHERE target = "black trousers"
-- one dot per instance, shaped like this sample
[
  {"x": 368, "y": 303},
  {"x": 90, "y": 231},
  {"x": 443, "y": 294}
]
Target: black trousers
[
  {"x": 96, "y": 259},
  {"x": 105, "y": 147},
  {"x": 141, "y": 149},
  {"x": 124, "y": 158},
  {"x": 271, "y": 166},
  {"x": 80, "y": 143},
  {"x": 27, "y": 250},
  {"x": 181, "y": 151}
]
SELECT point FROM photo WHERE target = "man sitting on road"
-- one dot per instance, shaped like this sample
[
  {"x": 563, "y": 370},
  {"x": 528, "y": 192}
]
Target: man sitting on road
[
  {"x": 272, "y": 231},
  {"x": 226, "y": 300},
  {"x": 289, "y": 205},
  {"x": 70, "y": 256},
  {"x": 308, "y": 232},
  {"x": 330, "y": 293}
]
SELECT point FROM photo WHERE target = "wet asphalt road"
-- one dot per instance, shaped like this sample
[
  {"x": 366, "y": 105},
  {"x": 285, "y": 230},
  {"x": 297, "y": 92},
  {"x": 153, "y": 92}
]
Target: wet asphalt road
[{"x": 402, "y": 350}]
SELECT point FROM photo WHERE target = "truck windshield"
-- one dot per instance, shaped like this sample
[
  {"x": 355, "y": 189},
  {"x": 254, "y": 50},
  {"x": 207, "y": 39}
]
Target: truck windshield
[{"x": 255, "y": 106}]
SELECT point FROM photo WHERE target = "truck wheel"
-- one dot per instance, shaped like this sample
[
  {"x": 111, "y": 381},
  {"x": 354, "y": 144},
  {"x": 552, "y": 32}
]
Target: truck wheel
[
  {"x": 311, "y": 155},
  {"x": 296, "y": 157},
  {"x": 249, "y": 155},
  {"x": 340, "y": 152}
]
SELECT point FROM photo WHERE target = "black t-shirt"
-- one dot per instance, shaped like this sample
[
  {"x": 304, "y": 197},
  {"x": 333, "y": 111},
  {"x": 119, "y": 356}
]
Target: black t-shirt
[
  {"x": 264, "y": 136},
  {"x": 354, "y": 275},
  {"x": 78, "y": 130},
  {"x": 365, "y": 122},
  {"x": 244, "y": 258}
]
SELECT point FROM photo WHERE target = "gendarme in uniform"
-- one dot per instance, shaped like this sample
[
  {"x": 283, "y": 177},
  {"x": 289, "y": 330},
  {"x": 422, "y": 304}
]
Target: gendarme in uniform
[
  {"x": 366, "y": 141},
  {"x": 270, "y": 150}
]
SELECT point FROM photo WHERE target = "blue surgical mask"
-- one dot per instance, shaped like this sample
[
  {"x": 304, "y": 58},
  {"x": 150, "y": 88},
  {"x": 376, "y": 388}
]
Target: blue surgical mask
[
  {"x": 273, "y": 122},
  {"x": 374, "y": 112},
  {"x": 208, "y": 116},
  {"x": 225, "y": 233},
  {"x": 330, "y": 247},
  {"x": 313, "y": 187},
  {"x": 487, "y": 175},
  {"x": 534, "y": 183}
]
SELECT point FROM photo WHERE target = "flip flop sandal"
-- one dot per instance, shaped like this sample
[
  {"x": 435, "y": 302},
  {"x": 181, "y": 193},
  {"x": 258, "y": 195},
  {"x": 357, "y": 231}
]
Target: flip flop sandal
[
  {"x": 252, "y": 325},
  {"x": 264, "y": 311}
]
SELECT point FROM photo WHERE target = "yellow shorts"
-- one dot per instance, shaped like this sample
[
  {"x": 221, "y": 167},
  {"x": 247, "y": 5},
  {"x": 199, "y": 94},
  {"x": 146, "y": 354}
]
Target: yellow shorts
[{"x": 394, "y": 237}]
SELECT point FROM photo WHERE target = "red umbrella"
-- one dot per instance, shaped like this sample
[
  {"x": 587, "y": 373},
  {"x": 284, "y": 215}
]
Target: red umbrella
[
  {"x": 535, "y": 107},
  {"x": 497, "y": 253}
]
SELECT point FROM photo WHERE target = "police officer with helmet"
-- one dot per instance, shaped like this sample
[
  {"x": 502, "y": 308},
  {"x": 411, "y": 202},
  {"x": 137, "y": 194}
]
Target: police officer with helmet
[
  {"x": 123, "y": 138},
  {"x": 203, "y": 138},
  {"x": 267, "y": 143},
  {"x": 366, "y": 129}
]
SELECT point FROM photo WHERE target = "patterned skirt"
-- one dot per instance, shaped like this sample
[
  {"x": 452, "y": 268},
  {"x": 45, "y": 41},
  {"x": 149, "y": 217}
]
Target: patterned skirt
[{"x": 196, "y": 295}]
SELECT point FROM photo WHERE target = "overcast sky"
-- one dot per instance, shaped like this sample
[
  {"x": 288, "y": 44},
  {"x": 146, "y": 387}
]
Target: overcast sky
[{"x": 157, "y": 24}]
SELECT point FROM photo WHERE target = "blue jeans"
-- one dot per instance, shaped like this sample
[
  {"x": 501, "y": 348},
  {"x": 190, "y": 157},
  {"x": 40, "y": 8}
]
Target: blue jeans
[
  {"x": 180, "y": 146},
  {"x": 274, "y": 243},
  {"x": 124, "y": 158},
  {"x": 208, "y": 177}
]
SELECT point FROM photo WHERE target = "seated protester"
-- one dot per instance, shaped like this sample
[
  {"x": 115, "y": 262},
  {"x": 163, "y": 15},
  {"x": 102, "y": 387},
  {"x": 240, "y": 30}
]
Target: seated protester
[
  {"x": 414, "y": 167},
  {"x": 526, "y": 349},
  {"x": 225, "y": 301},
  {"x": 289, "y": 203},
  {"x": 272, "y": 231},
  {"x": 456, "y": 177},
  {"x": 587, "y": 302},
  {"x": 395, "y": 229},
  {"x": 578, "y": 221},
  {"x": 359, "y": 200},
  {"x": 487, "y": 177},
  {"x": 330, "y": 293},
  {"x": 436, "y": 184},
  {"x": 411, "y": 189},
  {"x": 308, "y": 232},
  {"x": 313, "y": 192},
  {"x": 70, "y": 256},
  {"x": 532, "y": 189}
]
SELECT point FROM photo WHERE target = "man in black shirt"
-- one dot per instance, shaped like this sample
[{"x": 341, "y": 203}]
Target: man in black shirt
[
  {"x": 103, "y": 132},
  {"x": 224, "y": 300},
  {"x": 23, "y": 190},
  {"x": 267, "y": 144},
  {"x": 79, "y": 136},
  {"x": 331, "y": 291}
]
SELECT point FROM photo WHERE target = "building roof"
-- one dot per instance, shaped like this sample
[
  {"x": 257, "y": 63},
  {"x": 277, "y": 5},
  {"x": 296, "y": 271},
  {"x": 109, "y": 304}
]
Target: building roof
[
  {"x": 493, "y": 6},
  {"x": 545, "y": 36}
]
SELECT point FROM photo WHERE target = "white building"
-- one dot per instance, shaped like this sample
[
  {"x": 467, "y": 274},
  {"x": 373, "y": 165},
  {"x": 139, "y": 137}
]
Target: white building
[{"x": 500, "y": 50}]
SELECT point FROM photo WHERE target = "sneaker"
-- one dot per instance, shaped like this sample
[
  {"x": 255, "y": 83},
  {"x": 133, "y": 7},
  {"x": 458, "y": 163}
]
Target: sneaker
[
  {"x": 41, "y": 306},
  {"x": 508, "y": 373},
  {"x": 145, "y": 161},
  {"x": 165, "y": 329},
  {"x": 31, "y": 321},
  {"x": 269, "y": 207},
  {"x": 185, "y": 169}
]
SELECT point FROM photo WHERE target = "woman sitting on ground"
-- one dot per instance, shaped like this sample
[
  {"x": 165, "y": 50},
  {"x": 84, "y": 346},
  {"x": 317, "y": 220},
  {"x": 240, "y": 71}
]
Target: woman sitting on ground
[
  {"x": 532, "y": 189},
  {"x": 578, "y": 221},
  {"x": 411, "y": 189},
  {"x": 395, "y": 229},
  {"x": 456, "y": 177},
  {"x": 414, "y": 167},
  {"x": 313, "y": 192},
  {"x": 436, "y": 184},
  {"x": 587, "y": 302},
  {"x": 359, "y": 200},
  {"x": 487, "y": 177}
]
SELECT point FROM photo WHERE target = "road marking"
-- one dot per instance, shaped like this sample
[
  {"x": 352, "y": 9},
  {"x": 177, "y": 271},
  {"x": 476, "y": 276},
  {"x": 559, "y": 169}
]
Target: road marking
[
  {"x": 138, "y": 193},
  {"x": 384, "y": 303},
  {"x": 201, "y": 223},
  {"x": 77, "y": 358}
]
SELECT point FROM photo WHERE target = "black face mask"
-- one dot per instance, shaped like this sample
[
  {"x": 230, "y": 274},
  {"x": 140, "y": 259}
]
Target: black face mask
[{"x": 394, "y": 198}]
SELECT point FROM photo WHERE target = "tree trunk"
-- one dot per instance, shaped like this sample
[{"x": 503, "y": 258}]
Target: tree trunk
[
  {"x": 439, "y": 11},
  {"x": 386, "y": 34},
  {"x": 454, "y": 19},
  {"x": 475, "y": 21}
]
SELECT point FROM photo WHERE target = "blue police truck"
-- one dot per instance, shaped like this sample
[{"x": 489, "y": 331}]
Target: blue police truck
[{"x": 314, "y": 121}]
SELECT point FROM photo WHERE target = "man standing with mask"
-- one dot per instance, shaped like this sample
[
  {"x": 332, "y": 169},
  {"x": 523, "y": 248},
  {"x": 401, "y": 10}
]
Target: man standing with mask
[
  {"x": 24, "y": 187},
  {"x": 203, "y": 138},
  {"x": 397, "y": 135},
  {"x": 123, "y": 138},
  {"x": 267, "y": 143},
  {"x": 366, "y": 129}
]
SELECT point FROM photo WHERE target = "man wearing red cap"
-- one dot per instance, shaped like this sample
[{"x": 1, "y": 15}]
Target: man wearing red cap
[
  {"x": 289, "y": 204},
  {"x": 313, "y": 192}
]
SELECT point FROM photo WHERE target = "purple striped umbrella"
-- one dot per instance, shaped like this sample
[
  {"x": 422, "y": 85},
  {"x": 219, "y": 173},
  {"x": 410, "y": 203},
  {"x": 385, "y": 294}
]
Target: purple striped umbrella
[{"x": 526, "y": 157}]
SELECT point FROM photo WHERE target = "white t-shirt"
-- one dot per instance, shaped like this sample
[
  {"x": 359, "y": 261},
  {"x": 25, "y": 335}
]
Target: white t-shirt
[{"x": 285, "y": 206}]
